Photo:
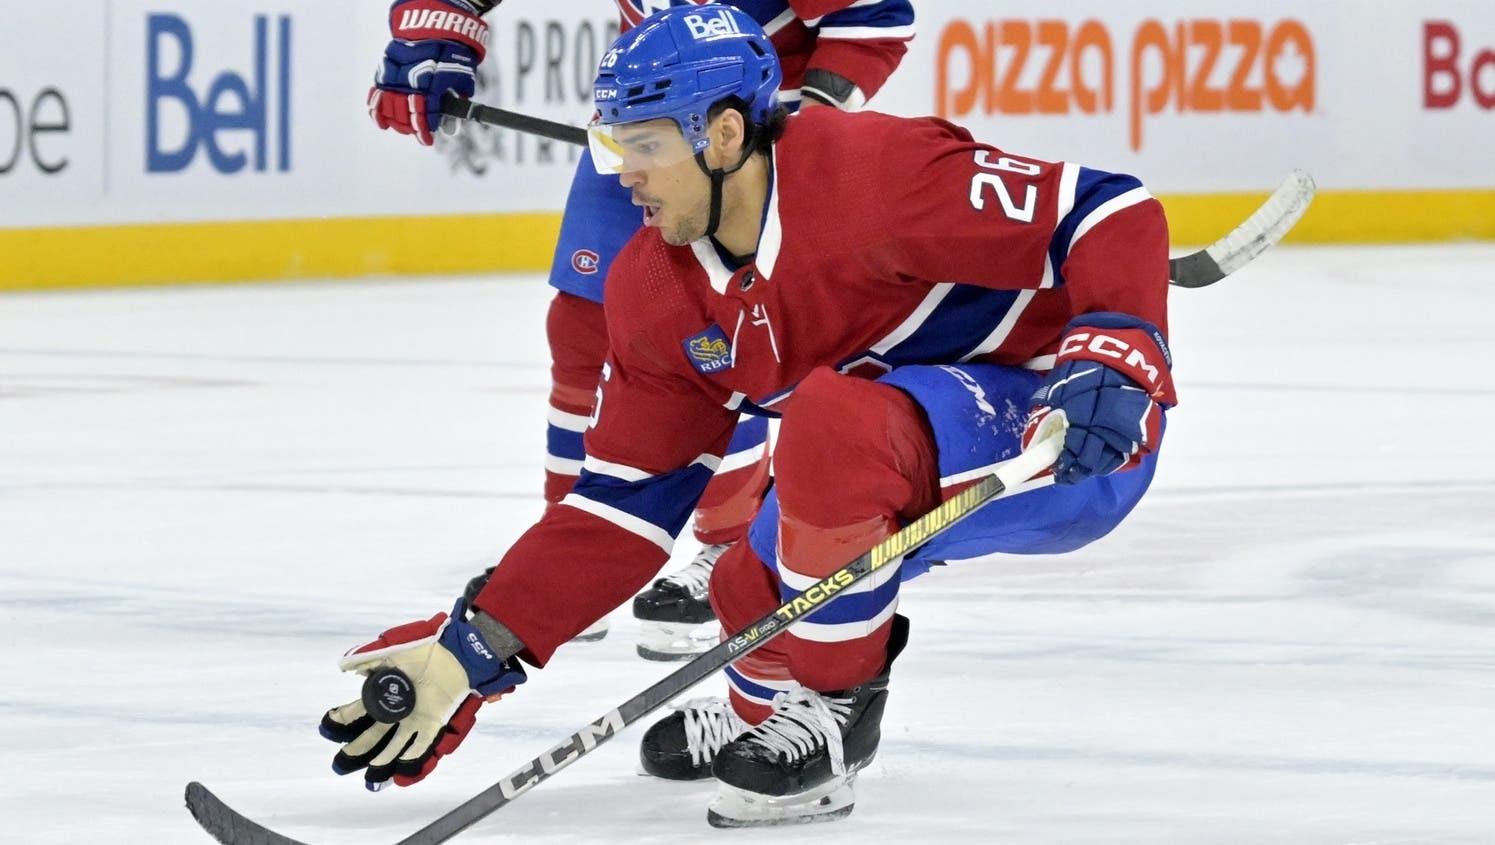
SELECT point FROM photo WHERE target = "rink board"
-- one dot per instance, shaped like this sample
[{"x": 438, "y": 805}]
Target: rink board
[
  {"x": 187, "y": 253},
  {"x": 200, "y": 141}
]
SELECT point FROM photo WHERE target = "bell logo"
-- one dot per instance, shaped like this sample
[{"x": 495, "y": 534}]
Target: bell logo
[
  {"x": 232, "y": 105},
  {"x": 711, "y": 26}
]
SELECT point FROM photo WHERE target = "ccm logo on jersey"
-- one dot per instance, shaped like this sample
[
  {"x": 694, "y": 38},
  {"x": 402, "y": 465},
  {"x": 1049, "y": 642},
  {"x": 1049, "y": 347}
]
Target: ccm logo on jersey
[
  {"x": 710, "y": 26},
  {"x": 585, "y": 261},
  {"x": 1123, "y": 351}
]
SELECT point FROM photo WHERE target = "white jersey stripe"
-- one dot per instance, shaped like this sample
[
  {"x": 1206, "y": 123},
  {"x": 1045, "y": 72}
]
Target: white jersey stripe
[
  {"x": 746, "y": 458},
  {"x": 1106, "y": 209},
  {"x": 562, "y": 466},
  {"x": 809, "y": 629},
  {"x": 858, "y": 33},
  {"x": 773, "y": 232},
  {"x": 621, "y": 471},
  {"x": 915, "y": 320},
  {"x": 568, "y": 422},
  {"x": 1004, "y": 328},
  {"x": 624, "y": 520},
  {"x": 801, "y": 582},
  {"x": 716, "y": 271}
]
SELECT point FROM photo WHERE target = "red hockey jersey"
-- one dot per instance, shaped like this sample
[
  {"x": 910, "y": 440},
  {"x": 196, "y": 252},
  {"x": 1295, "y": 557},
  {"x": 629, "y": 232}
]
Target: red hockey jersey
[{"x": 886, "y": 241}]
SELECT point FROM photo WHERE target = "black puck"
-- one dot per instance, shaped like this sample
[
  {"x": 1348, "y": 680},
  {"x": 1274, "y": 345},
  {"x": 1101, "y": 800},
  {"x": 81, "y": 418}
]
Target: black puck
[{"x": 388, "y": 695}]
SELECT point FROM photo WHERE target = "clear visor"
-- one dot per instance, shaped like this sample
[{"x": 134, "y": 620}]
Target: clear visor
[{"x": 629, "y": 147}]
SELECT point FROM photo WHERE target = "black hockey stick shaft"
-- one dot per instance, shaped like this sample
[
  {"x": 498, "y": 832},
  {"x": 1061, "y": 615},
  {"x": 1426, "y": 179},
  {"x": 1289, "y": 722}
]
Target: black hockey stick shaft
[
  {"x": 454, "y": 106},
  {"x": 231, "y": 828}
]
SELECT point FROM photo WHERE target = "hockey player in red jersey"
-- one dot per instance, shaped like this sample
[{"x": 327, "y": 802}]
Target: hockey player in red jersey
[
  {"x": 911, "y": 301},
  {"x": 833, "y": 52}
]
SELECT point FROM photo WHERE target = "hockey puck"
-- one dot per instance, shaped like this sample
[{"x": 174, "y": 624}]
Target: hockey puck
[{"x": 388, "y": 695}]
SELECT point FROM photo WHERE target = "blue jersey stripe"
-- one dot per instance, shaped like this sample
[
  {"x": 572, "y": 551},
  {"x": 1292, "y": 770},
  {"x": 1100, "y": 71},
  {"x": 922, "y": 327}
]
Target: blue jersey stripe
[
  {"x": 664, "y": 501},
  {"x": 966, "y": 316},
  {"x": 889, "y": 13},
  {"x": 1093, "y": 189},
  {"x": 751, "y": 688},
  {"x": 564, "y": 444},
  {"x": 850, "y": 607},
  {"x": 748, "y": 434}
]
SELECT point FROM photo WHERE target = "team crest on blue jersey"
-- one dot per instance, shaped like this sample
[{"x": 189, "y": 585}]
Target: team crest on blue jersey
[{"x": 709, "y": 351}]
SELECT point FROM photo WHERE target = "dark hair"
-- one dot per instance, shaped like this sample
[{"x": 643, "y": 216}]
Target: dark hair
[{"x": 761, "y": 137}]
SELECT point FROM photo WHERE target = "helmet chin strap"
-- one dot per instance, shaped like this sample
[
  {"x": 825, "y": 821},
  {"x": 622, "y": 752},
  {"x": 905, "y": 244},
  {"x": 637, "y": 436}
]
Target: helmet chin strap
[{"x": 718, "y": 178}]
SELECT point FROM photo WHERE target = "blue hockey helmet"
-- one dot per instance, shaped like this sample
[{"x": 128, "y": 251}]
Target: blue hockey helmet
[{"x": 676, "y": 64}]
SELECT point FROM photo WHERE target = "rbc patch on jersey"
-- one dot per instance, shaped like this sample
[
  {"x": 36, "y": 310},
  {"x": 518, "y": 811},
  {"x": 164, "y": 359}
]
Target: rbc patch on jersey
[{"x": 709, "y": 351}]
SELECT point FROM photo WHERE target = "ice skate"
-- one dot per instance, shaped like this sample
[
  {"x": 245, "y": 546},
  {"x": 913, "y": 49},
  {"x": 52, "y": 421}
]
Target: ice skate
[
  {"x": 682, "y": 745},
  {"x": 799, "y": 765},
  {"x": 676, "y": 621}
]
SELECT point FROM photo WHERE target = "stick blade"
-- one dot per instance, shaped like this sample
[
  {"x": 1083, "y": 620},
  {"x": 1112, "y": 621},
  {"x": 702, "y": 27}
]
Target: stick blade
[
  {"x": 224, "y": 824},
  {"x": 1263, "y": 229}
]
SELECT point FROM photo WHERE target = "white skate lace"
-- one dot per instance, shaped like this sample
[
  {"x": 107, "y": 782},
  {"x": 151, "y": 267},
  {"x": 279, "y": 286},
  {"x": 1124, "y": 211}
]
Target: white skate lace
[
  {"x": 696, "y": 576},
  {"x": 709, "y": 724},
  {"x": 801, "y": 720}
]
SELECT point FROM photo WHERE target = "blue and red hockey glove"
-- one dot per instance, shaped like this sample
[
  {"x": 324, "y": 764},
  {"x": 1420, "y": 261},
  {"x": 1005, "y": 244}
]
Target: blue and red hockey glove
[
  {"x": 451, "y": 671},
  {"x": 1112, "y": 379},
  {"x": 436, "y": 48}
]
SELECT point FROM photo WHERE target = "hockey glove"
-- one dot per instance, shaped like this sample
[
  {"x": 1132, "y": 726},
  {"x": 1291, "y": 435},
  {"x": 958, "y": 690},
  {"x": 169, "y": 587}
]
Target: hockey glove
[
  {"x": 452, "y": 671},
  {"x": 1112, "y": 381},
  {"x": 437, "y": 47}
]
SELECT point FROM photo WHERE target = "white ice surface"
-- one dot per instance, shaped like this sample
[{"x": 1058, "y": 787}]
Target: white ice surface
[{"x": 207, "y": 495}]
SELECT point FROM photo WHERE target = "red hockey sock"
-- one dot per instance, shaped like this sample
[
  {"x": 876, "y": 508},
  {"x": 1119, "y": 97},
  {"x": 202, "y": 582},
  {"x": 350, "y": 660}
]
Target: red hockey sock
[{"x": 854, "y": 459}]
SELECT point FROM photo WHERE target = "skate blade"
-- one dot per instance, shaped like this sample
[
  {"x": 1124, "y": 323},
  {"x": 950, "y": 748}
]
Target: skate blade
[
  {"x": 733, "y": 807},
  {"x": 669, "y": 641}
]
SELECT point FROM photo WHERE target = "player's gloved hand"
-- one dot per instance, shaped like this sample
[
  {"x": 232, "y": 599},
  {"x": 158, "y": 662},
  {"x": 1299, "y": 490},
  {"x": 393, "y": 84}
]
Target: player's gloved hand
[
  {"x": 1112, "y": 381},
  {"x": 452, "y": 670},
  {"x": 437, "y": 47}
]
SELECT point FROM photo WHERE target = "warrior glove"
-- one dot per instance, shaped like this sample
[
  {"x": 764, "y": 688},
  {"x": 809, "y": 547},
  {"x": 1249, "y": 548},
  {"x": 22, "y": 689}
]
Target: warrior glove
[{"x": 436, "y": 48}]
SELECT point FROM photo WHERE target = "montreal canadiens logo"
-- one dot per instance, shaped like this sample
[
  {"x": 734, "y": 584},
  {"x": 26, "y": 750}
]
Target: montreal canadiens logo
[
  {"x": 585, "y": 261},
  {"x": 635, "y": 11}
]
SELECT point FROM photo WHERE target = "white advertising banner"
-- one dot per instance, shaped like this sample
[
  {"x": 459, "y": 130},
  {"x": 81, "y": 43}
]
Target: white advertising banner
[
  {"x": 201, "y": 110},
  {"x": 1199, "y": 96},
  {"x": 185, "y": 110}
]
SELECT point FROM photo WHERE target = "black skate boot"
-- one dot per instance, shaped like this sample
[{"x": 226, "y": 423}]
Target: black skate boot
[
  {"x": 596, "y": 632},
  {"x": 674, "y": 614},
  {"x": 682, "y": 745},
  {"x": 799, "y": 765}
]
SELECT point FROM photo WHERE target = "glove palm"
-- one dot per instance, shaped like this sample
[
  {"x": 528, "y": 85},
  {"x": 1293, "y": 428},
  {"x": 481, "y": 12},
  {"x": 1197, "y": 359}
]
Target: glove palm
[{"x": 452, "y": 670}]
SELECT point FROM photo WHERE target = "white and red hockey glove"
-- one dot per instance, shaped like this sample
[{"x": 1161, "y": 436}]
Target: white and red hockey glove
[
  {"x": 1112, "y": 380},
  {"x": 425, "y": 682},
  {"x": 436, "y": 48}
]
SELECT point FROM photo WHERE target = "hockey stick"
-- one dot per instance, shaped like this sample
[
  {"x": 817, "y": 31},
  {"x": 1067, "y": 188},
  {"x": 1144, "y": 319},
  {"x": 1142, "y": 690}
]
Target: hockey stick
[
  {"x": 454, "y": 106},
  {"x": 231, "y": 828},
  {"x": 1264, "y": 228}
]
